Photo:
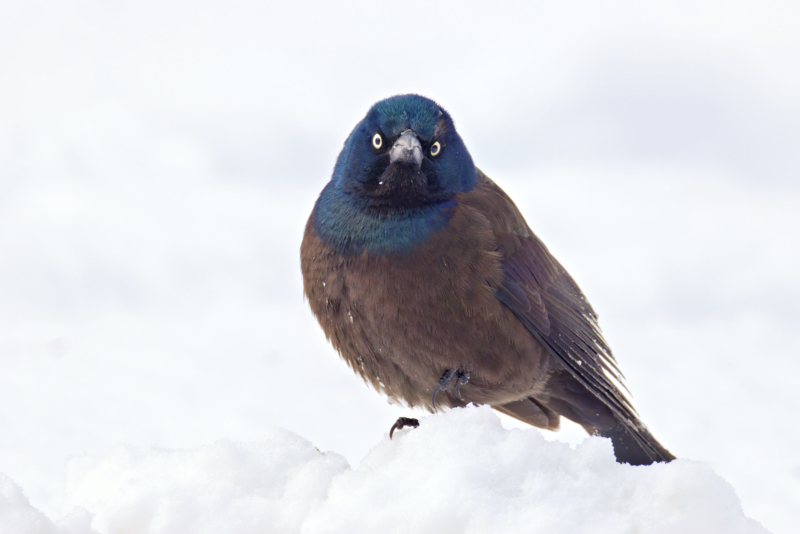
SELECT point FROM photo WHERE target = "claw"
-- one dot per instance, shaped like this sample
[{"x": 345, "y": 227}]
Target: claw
[
  {"x": 403, "y": 422},
  {"x": 443, "y": 384},
  {"x": 462, "y": 378}
]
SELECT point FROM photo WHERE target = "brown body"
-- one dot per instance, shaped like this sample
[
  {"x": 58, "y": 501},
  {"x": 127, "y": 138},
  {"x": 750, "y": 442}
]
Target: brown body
[
  {"x": 424, "y": 275},
  {"x": 400, "y": 320}
]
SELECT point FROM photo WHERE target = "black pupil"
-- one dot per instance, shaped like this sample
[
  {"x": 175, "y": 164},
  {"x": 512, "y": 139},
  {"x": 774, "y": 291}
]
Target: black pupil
[{"x": 377, "y": 140}]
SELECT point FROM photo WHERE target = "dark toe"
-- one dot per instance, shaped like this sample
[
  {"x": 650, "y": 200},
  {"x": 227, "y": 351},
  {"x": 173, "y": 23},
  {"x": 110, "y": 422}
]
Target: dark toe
[
  {"x": 403, "y": 422},
  {"x": 442, "y": 385},
  {"x": 462, "y": 378}
]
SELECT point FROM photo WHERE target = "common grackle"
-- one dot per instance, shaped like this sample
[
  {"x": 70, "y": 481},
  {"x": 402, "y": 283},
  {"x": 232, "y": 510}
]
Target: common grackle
[{"x": 428, "y": 281}]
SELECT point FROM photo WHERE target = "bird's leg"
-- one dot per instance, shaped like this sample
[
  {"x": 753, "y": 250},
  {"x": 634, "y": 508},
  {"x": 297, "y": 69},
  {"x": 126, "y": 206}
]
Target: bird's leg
[
  {"x": 462, "y": 377},
  {"x": 403, "y": 422},
  {"x": 443, "y": 384}
]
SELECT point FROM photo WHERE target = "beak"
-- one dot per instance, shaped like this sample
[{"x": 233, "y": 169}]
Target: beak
[{"x": 406, "y": 149}]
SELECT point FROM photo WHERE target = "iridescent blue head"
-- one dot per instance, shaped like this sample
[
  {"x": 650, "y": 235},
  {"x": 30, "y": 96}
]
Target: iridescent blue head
[{"x": 395, "y": 180}]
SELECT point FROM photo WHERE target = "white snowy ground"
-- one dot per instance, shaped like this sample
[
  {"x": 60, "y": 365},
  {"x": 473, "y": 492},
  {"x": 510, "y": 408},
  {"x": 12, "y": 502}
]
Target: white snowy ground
[
  {"x": 158, "y": 162},
  {"x": 459, "y": 473}
]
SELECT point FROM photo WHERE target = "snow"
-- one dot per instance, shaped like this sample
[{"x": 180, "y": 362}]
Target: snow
[
  {"x": 158, "y": 161},
  {"x": 461, "y": 472}
]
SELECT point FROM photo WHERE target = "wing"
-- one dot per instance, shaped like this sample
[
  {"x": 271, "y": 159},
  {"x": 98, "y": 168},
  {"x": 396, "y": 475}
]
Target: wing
[{"x": 550, "y": 304}]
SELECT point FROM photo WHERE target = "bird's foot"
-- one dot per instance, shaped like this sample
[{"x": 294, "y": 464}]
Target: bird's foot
[
  {"x": 462, "y": 377},
  {"x": 403, "y": 422}
]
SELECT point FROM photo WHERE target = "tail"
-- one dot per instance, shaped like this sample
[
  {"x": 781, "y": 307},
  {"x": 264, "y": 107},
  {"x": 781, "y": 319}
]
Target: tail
[
  {"x": 633, "y": 443},
  {"x": 633, "y": 447}
]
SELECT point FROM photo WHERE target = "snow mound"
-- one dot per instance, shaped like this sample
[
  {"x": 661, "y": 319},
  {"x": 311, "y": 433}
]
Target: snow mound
[
  {"x": 17, "y": 516},
  {"x": 459, "y": 472}
]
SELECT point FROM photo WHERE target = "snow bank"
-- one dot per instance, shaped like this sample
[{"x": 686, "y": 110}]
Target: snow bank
[
  {"x": 458, "y": 472},
  {"x": 17, "y": 516}
]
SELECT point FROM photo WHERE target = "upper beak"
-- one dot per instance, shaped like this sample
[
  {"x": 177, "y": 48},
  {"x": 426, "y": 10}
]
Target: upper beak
[{"x": 406, "y": 149}]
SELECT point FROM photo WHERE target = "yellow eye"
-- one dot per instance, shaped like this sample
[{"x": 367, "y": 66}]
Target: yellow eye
[
  {"x": 377, "y": 140},
  {"x": 436, "y": 148}
]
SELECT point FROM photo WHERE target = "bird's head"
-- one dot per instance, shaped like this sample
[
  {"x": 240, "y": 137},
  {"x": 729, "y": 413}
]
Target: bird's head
[{"x": 405, "y": 153}]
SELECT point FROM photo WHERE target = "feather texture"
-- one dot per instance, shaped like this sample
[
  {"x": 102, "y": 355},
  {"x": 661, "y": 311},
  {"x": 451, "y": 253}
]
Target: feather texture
[{"x": 452, "y": 278}]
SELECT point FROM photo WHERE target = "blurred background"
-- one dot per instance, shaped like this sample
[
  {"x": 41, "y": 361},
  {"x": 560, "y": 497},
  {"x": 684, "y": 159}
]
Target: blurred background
[{"x": 158, "y": 161}]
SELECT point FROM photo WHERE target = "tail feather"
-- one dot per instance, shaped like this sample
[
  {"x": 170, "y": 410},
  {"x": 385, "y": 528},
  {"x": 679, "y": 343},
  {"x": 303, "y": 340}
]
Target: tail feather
[
  {"x": 633, "y": 443},
  {"x": 635, "y": 448}
]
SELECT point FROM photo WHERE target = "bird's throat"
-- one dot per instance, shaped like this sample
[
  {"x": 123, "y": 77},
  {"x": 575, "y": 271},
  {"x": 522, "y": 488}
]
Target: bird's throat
[{"x": 353, "y": 225}]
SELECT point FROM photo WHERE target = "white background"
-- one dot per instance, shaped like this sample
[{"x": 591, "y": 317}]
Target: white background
[{"x": 158, "y": 161}]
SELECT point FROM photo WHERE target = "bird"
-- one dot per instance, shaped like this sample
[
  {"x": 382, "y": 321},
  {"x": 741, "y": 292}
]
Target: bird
[{"x": 426, "y": 279}]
